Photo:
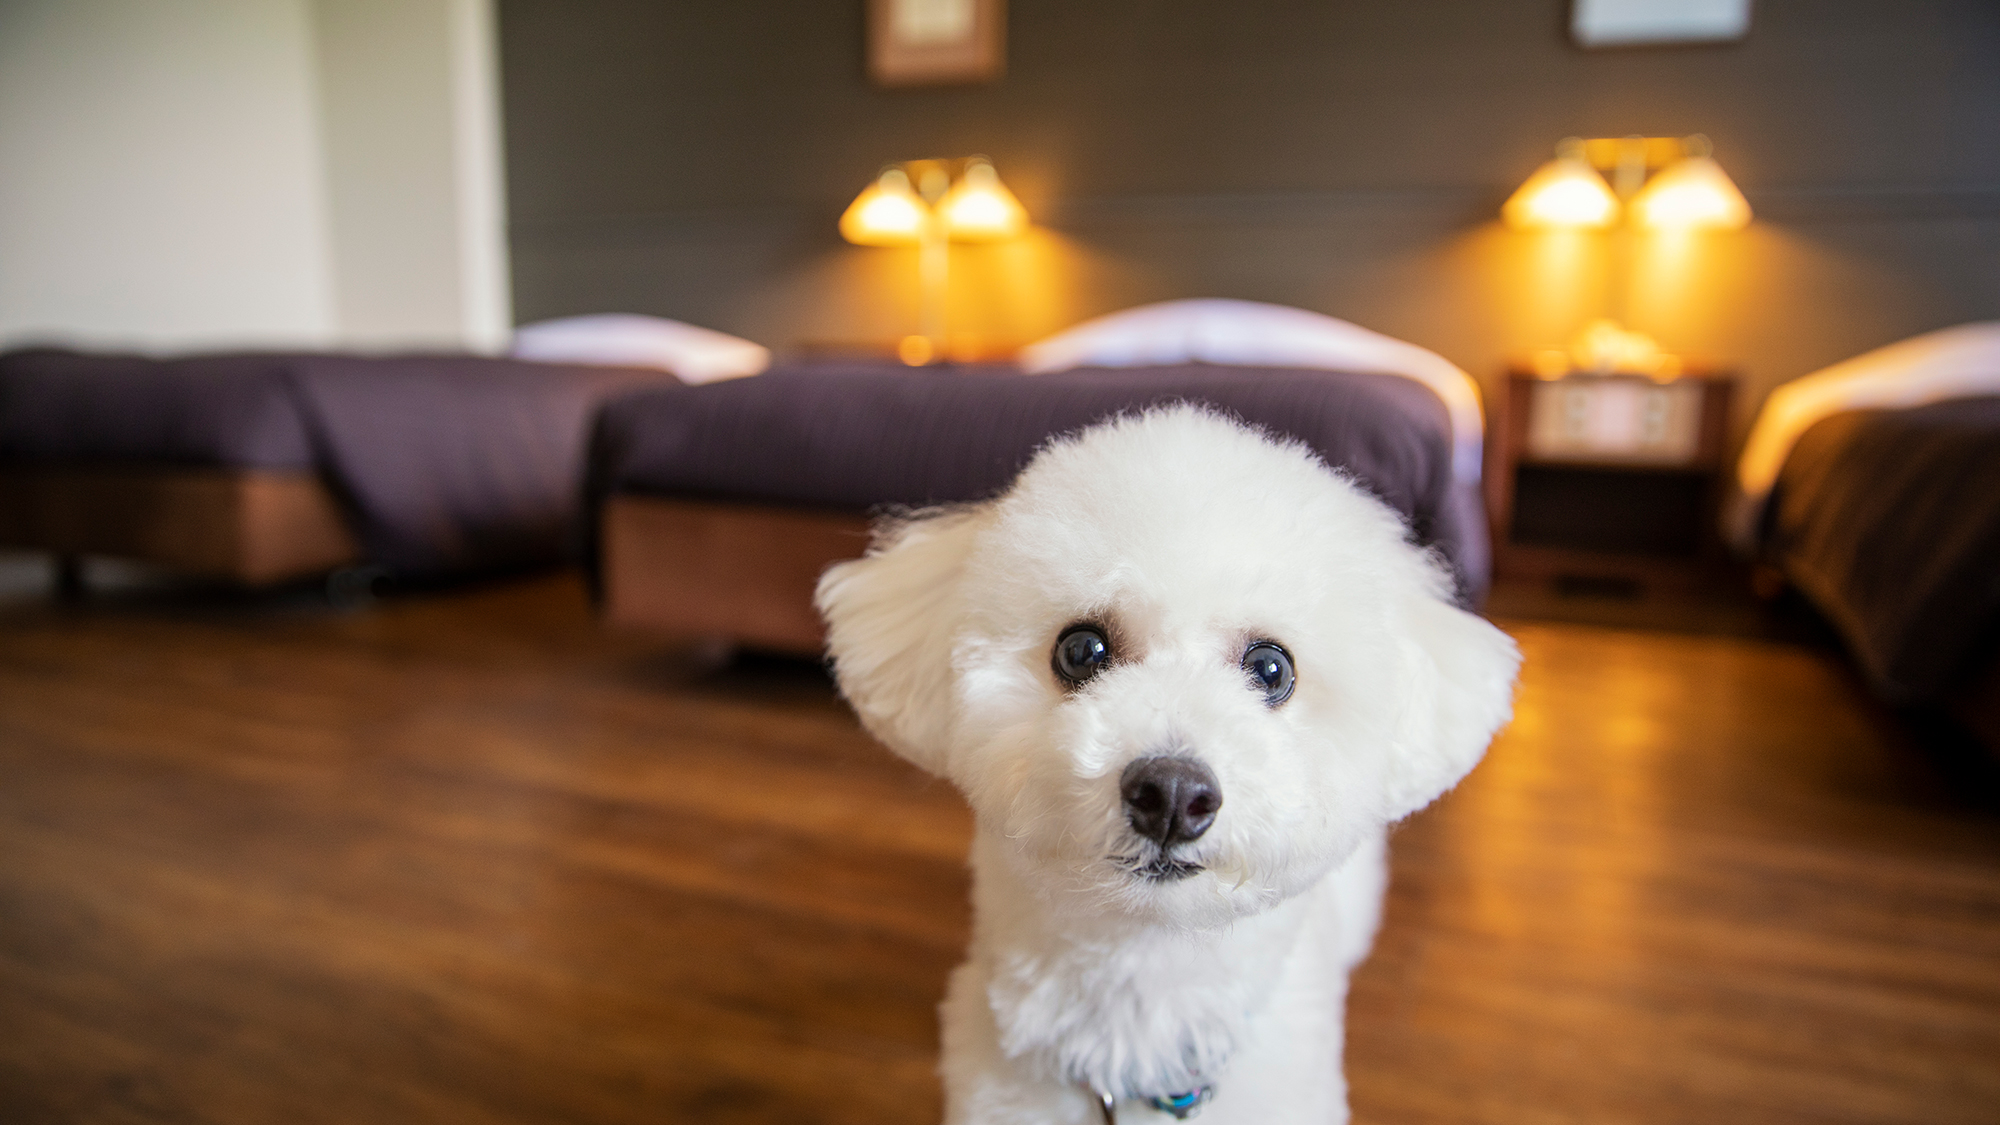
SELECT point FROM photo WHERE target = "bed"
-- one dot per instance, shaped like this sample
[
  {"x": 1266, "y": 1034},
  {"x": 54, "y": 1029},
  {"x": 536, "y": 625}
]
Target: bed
[
  {"x": 266, "y": 467},
  {"x": 719, "y": 506},
  {"x": 1874, "y": 488}
]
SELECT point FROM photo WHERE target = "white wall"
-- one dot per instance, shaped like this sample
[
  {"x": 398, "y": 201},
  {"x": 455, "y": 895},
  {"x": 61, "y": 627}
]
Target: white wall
[
  {"x": 160, "y": 175},
  {"x": 410, "y": 117},
  {"x": 216, "y": 173}
]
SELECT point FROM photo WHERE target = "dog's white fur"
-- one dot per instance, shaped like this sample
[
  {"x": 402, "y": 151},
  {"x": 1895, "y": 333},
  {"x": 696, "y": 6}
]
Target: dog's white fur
[{"x": 1188, "y": 536}]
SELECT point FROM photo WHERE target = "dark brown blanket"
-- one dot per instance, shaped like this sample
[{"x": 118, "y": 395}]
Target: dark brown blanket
[
  {"x": 212, "y": 410},
  {"x": 448, "y": 464},
  {"x": 457, "y": 464},
  {"x": 859, "y": 436},
  {"x": 1889, "y": 521}
]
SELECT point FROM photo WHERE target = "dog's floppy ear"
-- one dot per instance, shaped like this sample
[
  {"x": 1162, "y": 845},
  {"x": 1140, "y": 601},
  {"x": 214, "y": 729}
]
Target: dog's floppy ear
[
  {"x": 889, "y": 624},
  {"x": 1458, "y": 675}
]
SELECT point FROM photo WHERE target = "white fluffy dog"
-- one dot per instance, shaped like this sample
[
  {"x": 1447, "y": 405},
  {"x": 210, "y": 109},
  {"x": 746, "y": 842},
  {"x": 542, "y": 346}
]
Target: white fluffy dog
[{"x": 1186, "y": 676}]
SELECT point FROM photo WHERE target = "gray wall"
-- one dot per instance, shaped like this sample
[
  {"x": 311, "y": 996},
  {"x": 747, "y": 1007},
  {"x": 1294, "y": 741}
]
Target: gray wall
[{"x": 689, "y": 159}]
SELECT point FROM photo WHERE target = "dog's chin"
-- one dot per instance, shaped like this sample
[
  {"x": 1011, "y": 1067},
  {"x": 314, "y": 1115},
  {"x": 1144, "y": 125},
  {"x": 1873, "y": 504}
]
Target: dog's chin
[
  {"x": 1160, "y": 867},
  {"x": 1208, "y": 886},
  {"x": 1198, "y": 890}
]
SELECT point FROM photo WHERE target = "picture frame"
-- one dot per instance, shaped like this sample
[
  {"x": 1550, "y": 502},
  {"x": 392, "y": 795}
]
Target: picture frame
[
  {"x": 1642, "y": 23},
  {"x": 936, "y": 42}
]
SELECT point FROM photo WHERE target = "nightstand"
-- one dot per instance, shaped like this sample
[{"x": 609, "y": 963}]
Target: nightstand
[{"x": 1608, "y": 480}]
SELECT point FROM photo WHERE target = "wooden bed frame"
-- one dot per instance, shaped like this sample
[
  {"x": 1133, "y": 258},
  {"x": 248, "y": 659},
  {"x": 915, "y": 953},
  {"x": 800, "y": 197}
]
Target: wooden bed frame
[
  {"x": 253, "y": 527},
  {"x": 1977, "y": 704},
  {"x": 734, "y": 572}
]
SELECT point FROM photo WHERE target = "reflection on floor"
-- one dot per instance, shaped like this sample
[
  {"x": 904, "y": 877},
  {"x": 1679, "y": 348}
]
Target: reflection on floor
[
  {"x": 1723, "y": 608},
  {"x": 464, "y": 857}
]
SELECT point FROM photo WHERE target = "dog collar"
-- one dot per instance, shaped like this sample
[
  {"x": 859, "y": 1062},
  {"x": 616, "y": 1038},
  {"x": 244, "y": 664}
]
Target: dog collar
[{"x": 1182, "y": 1106}]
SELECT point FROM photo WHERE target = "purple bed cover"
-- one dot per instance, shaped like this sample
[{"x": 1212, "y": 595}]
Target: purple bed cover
[
  {"x": 864, "y": 435},
  {"x": 447, "y": 464},
  {"x": 1889, "y": 520}
]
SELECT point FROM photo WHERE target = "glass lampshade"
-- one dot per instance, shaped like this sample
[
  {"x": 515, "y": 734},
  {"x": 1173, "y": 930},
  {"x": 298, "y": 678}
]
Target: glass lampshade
[
  {"x": 1691, "y": 194},
  {"x": 888, "y": 212},
  {"x": 1565, "y": 192},
  {"x": 979, "y": 208}
]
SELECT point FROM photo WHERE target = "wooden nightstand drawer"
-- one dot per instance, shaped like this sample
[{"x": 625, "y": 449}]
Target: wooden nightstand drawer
[
  {"x": 1607, "y": 476},
  {"x": 1614, "y": 418}
]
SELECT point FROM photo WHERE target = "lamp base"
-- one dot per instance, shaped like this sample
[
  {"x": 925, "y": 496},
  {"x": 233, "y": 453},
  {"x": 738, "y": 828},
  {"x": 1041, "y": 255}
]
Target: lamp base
[
  {"x": 962, "y": 348},
  {"x": 917, "y": 351}
]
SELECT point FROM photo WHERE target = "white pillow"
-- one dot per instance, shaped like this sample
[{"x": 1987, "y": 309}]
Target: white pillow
[
  {"x": 696, "y": 355},
  {"x": 1252, "y": 334},
  {"x": 1959, "y": 362}
]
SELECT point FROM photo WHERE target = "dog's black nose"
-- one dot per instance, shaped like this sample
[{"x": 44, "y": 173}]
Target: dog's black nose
[{"x": 1170, "y": 800}]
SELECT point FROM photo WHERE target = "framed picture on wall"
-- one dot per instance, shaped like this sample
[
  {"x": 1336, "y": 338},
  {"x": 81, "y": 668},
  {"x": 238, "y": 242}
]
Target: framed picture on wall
[
  {"x": 1633, "y": 23},
  {"x": 936, "y": 42}
]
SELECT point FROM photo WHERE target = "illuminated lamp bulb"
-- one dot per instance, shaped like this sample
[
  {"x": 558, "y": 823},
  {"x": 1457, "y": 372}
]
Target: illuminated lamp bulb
[
  {"x": 888, "y": 212},
  {"x": 1565, "y": 192},
  {"x": 979, "y": 208},
  {"x": 916, "y": 351},
  {"x": 1691, "y": 194}
]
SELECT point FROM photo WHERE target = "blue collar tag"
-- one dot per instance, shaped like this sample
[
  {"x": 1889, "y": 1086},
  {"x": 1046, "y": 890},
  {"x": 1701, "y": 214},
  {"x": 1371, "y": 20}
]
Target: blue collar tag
[{"x": 1183, "y": 1106}]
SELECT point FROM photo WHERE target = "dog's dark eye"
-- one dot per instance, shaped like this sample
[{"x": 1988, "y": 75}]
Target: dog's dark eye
[
  {"x": 1081, "y": 652},
  {"x": 1270, "y": 668}
]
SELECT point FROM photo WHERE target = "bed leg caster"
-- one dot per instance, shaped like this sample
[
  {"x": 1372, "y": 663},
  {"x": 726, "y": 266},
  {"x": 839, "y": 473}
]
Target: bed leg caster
[
  {"x": 67, "y": 572},
  {"x": 1767, "y": 582},
  {"x": 352, "y": 587}
]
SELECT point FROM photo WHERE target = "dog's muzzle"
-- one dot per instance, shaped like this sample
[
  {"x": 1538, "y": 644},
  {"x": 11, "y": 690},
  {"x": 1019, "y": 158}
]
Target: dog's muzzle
[{"x": 1170, "y": 801}]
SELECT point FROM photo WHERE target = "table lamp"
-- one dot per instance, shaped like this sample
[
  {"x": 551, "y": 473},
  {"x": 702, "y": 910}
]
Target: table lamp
[
  {"x": 920, "y": 203},
  {"x": 1658, "y": 184}
]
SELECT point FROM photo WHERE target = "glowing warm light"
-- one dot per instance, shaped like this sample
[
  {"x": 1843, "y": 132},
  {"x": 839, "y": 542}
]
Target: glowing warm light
[
  {"x": 1605, "y": 346},
  {"x": 1691, "y": 194},
  {"x": 1565, "y": 192},
  {"x": 916, "y": 351},
  {"x": 888, "y": 212},
  {"x": 979, "y": 208},
  {"x": 1550, "y": 363},
  {"x": 931, "y": 216}
]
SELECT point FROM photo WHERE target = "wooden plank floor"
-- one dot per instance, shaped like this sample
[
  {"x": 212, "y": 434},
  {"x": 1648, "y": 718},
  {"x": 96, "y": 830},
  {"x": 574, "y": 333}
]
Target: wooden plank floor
[{"x": 466, "y": 858}]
